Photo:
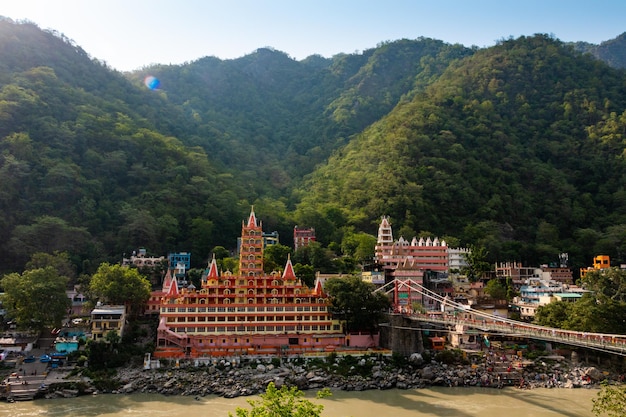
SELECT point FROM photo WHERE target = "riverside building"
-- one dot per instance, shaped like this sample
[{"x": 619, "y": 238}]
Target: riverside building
[{"x": 249, "y": 313}]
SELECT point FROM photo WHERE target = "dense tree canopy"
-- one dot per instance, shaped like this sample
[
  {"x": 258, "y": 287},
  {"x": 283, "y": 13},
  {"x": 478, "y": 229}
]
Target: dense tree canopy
[
  {"x": 354, "y": 300},
  {"x": 601, "y": 311},
  {"x": 36, "y": 298},
  {"x": 116, "y": 284}
]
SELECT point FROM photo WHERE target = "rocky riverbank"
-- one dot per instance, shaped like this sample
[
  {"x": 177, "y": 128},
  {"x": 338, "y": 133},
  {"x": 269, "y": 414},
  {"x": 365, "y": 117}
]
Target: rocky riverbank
[{"x": 233, "y": 379}]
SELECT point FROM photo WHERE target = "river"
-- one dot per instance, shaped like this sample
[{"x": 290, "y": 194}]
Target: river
[{"x": 457, "y": 402}]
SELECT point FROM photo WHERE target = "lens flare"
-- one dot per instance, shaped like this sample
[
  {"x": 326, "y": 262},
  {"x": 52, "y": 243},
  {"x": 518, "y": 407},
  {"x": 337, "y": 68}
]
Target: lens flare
[{"x": 152, "y": 82}]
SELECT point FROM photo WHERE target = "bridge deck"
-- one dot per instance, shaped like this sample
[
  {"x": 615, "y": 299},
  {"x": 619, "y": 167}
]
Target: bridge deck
[{"x": 605, "y": 342}]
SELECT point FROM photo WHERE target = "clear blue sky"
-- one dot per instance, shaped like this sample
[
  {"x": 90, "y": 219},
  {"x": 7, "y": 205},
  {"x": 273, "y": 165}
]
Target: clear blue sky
[{"x": 130, "y": 34}]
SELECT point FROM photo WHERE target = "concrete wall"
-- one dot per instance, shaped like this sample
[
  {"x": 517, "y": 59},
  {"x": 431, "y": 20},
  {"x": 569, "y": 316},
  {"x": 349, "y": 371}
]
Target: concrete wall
[{"x": 401, "y": 335}]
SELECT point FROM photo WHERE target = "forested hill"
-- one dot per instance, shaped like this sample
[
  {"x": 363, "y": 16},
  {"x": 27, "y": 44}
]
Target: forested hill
[
  {"x": 90, "y": 163},
  {"x": 271, "y": 119},
  {"x": 103, "y": 164},
  {"x": 515, "y": 147},
  {"x": 519, "y": 148}
]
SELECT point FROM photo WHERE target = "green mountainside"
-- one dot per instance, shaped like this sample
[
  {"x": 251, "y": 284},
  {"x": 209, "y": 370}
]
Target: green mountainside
[
  {"x": 89, "y": 163},
  {"x": 516, "y": 147},
  {"x": 271, "y": 120},
  {"x": 519, "y": 147}
]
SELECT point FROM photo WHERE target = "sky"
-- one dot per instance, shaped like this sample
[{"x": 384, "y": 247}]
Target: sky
[{"x": 131, "y": 34}]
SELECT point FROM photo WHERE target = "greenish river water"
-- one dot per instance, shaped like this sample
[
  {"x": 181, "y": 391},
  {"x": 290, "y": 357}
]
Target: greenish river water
[{"x": 458, "y": 402}]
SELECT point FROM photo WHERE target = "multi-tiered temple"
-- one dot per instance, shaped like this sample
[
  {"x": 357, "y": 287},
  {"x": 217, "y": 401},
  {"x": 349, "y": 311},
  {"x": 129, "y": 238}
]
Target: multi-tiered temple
[{"x": 248, "y": 313}]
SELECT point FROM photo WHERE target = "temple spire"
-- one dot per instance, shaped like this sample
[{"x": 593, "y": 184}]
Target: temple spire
[
  {"x": 385, "y": 235},
  {"x": 213, "y": 273},
  {"x": 252, "y": 219},
  {"x": 318, "y": 289},
  {"x": 167, "y": 281},
  {"x": 173, "y": 290},
  {"x": 251, "y": 247},
  {"x": 288, "y": 273}
]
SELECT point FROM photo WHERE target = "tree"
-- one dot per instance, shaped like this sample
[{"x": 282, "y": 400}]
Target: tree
[
  {"x": 607, "y": 284},
  {"x": 36, "y": 298},
  {"x": 116, "y": 284},
  {"x": 314, "y": 254},
  {"x": 554, "y": 314},
  {"x": 283, "y": 402},
  {"x": 58, "y": 260},
  {"x": 610, "y": 401},
  {"x": 496, "y": 290},
  {"x": 275, "y": 257},
  {"x": 354, "y": 300},
  {"x": 306, "y": 273},
  {"x": 220, "y": 252},
  {"x": 47, "y": 234},
  {"x": 477, "y": 263},
  {"x": 359, "y": 245}
]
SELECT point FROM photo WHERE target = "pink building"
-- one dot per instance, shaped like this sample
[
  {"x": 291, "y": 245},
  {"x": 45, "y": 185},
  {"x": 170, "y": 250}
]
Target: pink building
[
  {"x": 409, "y": 261},
  {"x": 424, "y": 254},
  {"x": 302, "y": 237}
]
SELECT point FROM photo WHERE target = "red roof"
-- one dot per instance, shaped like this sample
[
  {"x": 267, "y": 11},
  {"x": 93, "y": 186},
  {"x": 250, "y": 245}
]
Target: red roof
[
  {"x": 167, "y": 281},
  {"x": 289, "y": 272},
  {"x": 319, "y": 288},
  {"x": 173, "y": 290},
  {"x": 213, "y": 273}
]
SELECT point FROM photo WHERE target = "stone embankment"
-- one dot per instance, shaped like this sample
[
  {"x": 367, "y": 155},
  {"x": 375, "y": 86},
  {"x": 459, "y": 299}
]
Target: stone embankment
[{"x": 230, "y": 380}]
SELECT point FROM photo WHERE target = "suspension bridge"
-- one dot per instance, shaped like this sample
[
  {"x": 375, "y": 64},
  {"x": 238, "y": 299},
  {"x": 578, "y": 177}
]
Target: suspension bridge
[{"x": 454, "y": 314}]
